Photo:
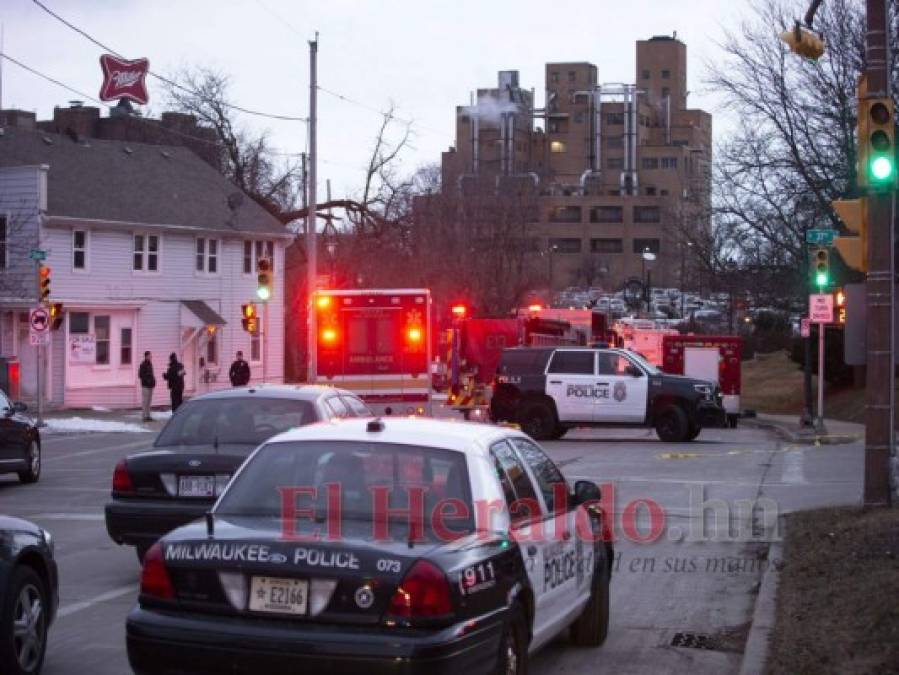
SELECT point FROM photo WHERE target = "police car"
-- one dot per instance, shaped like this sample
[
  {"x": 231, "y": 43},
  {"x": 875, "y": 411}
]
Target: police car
[
  {"x": 403, "y": 545},
  {"x": 550, "y": 390}
]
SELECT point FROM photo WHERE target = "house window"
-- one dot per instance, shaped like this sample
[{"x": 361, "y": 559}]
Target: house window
[
  {"x": 557, "y": 147},
  {"x": 248, "y": 257},
  {"x": 79, "y": 249},
  {"x": 565, "y": 245},
  {"x": 125, "y": 353},
  {"x": 669, "y": 162},
  {"x": 265, "y": 249},
  {"x": 207, "y": 256},
  {"x": 146, "y": 252},
  {"x": 255, "y": 348},
  {"x": 649, "y": 163},
  {"x": 647, "y": 214},
  {"x": 212, "y": 263},
  {"x": 615, "y": 118},
  {"x": 666, "y": 74},
  {"x": 565, "y": 214},
  {"x": 101, "y": 335},
  {"x": 3, "y": 241},
  {"x": 201, "y": 254},
  {"x": 615, "y": 163},
  {"x": 606, "y": 245},
  {"x": 606, "y": 214},
  {"x": 651, "y": 245},
  {"x": 79, "y": 322}
]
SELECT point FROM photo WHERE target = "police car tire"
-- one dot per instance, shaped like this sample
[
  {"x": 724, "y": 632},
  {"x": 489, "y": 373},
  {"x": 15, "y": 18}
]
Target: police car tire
[
  {"x": 695, "y": 430},
  {"x": 539, "y": 422},
  {"x": 672, "y": 425},
  {"x": 559, "y": 432},
  {"x": 592, "y": 626},
  {"x": 516, "y": 629}
]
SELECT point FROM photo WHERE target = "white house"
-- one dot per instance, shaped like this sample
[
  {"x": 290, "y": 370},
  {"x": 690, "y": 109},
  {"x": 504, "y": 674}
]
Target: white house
[{"x": 150, "y": 249}]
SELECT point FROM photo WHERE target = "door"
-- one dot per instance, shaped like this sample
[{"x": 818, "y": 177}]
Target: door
[
  {"x": 625, "y": 389},
  {"x": 702, "y": 363},
  {"x": 571, "y": 383}
]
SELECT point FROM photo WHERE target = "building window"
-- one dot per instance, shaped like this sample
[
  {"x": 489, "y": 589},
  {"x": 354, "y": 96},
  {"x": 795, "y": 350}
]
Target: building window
[
  {"x": 606, "y": 245},
  {"x": 557, "y": 147},
  {"x": 101, "y": 335},
  {"x": 146, "y": 252},
  {"x": 606, "y": 214},
  {"x": 651, "y": 245},
  {"x": 615, "y": 118},
  {"x": 201, "y": 254},
  {"x": 207, "y": 255},
  {"x": 248, "y": 257},
  {"x": 572, "y": 76},
  {"x": 79, "y": 322},
  {"x": 3, "y": 241},
  {"x": 565, "y": 245},
  {"x": 666, "y": 92},
  {"x": 79, "y": 249},
  {"x": 649, "y": 163},
  {"x": 664, "y": 192},
  {"x": 666, "y": 74},
  {"x": 651, "y": 191},
  {"x": 565, "y": 214},
  {"x": 554, "y": 76},
  {"x": 644, "y": 74},
  {"x": 579, "y": 118},
  {"x": 615, "y": 142},
  {"x": 669, "y": 162},
  {"x": 647, "y": 214},
  {"x": 125, "y": 351},
  {"x": 615, "y": 163}
]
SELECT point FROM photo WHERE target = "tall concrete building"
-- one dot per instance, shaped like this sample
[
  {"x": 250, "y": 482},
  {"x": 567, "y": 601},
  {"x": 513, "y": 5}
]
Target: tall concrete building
[{"x": 610, "y": 170}]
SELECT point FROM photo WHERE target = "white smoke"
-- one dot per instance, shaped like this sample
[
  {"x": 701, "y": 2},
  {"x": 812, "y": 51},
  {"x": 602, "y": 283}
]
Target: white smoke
[{"x": 490, "y": 109}]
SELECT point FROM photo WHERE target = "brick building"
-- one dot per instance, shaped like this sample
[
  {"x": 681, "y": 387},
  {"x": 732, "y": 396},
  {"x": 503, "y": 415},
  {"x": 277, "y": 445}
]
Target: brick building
[{"x": 609, "y": 170}]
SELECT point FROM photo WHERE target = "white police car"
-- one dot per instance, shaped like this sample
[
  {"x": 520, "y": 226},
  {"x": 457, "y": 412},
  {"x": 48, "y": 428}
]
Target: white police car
[
  {"x": 548, "y": 390},
  {"x": 402, "y": 545}
]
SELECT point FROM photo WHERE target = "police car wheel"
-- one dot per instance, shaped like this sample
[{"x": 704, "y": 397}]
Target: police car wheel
[
  {"x": 559, "y": 432},
  {"x": 695, "y": 429},
  {"x": 672, "y": 425},
  {"x": 538, "y": 422},
  {"x": 513, "y": 655},
  {"x": 592, "y": 626}
]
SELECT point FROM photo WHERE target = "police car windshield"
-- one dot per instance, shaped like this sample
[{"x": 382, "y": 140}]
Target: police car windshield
[
  {"x": 368, "y": 477},
  {"x": 646, "y": 365},
  {"x": 240, "y": 420}
]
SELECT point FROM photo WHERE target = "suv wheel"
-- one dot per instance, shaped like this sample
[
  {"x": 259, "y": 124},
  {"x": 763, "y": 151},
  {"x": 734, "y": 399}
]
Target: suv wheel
[
  {"x": 33, "y": 460},
  {"x": 672, "y": 425},
  {"x": 538, "y": 422}
]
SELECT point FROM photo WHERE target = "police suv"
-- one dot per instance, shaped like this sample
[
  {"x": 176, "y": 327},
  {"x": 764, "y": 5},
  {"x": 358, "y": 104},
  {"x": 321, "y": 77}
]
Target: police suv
[
  {"x": 368, "y": 546},
  {"x": 549, "y": 390}
]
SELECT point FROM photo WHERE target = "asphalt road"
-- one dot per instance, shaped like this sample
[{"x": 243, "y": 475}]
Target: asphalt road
[{"x": 698, "y": 576}]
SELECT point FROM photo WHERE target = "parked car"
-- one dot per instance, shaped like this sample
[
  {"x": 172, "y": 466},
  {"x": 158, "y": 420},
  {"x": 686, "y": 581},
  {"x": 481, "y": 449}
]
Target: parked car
[
  {"x": 29, "y": 595},
  {"x": 20, "y": 441},
  {"x": 201, "y": 447}
]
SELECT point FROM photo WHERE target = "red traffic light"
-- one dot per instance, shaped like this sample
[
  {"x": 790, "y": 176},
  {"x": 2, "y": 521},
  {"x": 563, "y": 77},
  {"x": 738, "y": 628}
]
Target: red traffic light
[{"x": 459, "y": 311}]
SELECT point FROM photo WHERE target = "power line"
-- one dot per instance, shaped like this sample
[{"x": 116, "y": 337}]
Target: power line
[
  {"x": 48, "y": 78},
  {"x": 407, "y": 122},
  {"x": 169, "y": 82}
]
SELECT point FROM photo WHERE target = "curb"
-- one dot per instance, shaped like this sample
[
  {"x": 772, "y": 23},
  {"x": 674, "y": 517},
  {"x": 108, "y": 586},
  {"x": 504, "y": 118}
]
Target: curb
[
  {"x": 810, "y": 437},
  {"x": 755, "y": 655}
]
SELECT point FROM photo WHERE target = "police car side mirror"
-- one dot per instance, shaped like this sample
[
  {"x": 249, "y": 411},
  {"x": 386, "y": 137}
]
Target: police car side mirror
[
  {"x": 633, "y": 371},
  {"x": 585, "y": 491}
]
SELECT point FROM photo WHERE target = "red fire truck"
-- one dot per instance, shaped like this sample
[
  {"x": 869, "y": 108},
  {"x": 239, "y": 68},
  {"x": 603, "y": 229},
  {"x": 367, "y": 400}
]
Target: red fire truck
[
  {"x": 715, "y": 358},
  {"x": 377, "y": 343}
]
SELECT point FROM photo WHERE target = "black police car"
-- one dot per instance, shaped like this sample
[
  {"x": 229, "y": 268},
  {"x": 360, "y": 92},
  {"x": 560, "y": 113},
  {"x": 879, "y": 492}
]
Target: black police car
[
  {"x": 20, "y": 441},
  {"x": 201, "y": 447},
  {"x": 549, "y": 390},
  {"x": 368, "y": 546},
  {"x": 29, "y": 595}
]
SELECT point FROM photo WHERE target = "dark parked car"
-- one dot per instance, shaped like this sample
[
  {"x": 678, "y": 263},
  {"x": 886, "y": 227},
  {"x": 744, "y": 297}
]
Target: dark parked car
[
  {"x": 199, "y": 450},
  {"x": 20, "y": 442},
  {"x": 29, "y": 595}
]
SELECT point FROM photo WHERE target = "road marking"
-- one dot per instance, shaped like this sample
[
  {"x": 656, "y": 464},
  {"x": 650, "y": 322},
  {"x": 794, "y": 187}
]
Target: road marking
[
  {"x": 97, "y": 451},
  {"x": 792, "y": 472},
  {"x": 84, "y": 517},
  {"x": 96, "y": 600}
]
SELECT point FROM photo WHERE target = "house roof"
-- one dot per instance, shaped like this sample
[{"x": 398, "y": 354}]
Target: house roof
[
  {"x": 133, "y": 182},
  {"x": 204, "y": 312}
]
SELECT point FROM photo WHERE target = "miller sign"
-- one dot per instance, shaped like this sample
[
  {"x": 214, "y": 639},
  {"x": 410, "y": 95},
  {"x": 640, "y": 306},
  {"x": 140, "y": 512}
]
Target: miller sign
[{"x": 124, "y": 79}]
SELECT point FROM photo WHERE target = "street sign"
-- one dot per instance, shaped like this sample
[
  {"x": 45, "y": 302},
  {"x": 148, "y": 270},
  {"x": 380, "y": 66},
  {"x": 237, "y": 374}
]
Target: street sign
[
  {"x": 805, "y": 327},
  {"x": 39, "y": 339},
  {"x": 39, "y": 320},
  {"x": 820, "y": 237},
  {"x": 37, "y": 254},
  {"x": 820, "y": 308}
]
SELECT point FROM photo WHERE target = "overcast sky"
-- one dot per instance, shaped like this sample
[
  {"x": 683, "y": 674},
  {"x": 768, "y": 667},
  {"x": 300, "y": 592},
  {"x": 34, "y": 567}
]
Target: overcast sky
[{"x": 426, "y": 56}]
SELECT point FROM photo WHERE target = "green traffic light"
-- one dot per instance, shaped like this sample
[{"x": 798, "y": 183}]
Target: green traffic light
[
  {"x": 263, "y": 293},
  {"x": 882, "y": 168},
  {"x": 821, "y": 279}
]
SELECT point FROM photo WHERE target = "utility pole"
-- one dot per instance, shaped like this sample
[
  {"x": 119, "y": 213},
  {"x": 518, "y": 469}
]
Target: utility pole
[
  {"x": 311, "y": 251},
  {"x": 880, "y": 393}
]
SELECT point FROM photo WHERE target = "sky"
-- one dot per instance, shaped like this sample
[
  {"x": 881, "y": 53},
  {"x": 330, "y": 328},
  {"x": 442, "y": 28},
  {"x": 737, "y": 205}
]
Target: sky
[{"x": 423, "y": 56}]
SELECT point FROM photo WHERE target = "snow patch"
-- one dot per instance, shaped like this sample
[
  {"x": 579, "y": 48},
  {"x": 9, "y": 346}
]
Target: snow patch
[
  {"x": 100, "y": 408},
  {"x": 69, "y": 424}
]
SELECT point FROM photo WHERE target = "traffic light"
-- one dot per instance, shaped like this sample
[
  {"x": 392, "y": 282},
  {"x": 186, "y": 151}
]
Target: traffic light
[
  {"x": 43, "y": 293},
  {"x": 876, "y": 144},
  {"x": 264, "y": 285},
  {"x": 853, "y": 247},
  {"x": 821, "y": 266},
  {"x": 804, "y": 42},
  {"x": 839, "y": 301},
  {"x": 55, "y": 315},
  {"x": 249, "y": 317},
  {"x": 459, "y": 311}
]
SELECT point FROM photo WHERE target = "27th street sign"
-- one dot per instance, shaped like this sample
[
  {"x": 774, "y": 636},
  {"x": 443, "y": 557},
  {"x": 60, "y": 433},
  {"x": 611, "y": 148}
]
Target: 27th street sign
[{"x": 820, "y": 237}]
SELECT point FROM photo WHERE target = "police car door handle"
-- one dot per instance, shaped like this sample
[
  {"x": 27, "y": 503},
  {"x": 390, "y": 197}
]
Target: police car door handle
[
  {"x": 555, "y": 381},
  {"x": 532, "y": 550}
]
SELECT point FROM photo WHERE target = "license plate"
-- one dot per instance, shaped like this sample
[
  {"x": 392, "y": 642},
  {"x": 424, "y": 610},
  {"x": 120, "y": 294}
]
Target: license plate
[
  {"x": 196, "y": 486},
  {"x": 280, "y": 596}
]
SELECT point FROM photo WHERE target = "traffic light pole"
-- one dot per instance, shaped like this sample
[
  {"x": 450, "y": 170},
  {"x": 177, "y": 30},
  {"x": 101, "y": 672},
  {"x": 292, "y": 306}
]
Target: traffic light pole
[
  {"x": 821, "y": 332},
  {"x": 880, "y": 393},
  {"x": 311, "y": 244}
]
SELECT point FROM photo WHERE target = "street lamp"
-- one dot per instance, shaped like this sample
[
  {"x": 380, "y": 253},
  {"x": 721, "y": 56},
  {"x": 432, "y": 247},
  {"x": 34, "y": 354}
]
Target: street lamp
[
  {"x": 552, "y": 248},
  {"x": 648, "y": 256}
]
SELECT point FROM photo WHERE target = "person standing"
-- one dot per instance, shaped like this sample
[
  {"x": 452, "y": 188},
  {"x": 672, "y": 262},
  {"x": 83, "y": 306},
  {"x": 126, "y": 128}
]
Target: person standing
[
  {"x": 174, "y": 375},
  {"x": 147, "y": 384},
  {"x": 240, "y": 372}
]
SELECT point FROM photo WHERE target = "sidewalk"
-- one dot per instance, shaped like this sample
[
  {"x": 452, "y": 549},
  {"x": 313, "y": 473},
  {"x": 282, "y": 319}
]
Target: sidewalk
[
  {"x": 787, "y": 426},
  {"x": 99, "y": 419}
]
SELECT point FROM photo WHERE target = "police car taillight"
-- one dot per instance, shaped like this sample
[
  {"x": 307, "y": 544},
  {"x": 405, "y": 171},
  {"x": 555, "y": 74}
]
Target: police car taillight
[
  {"x": 423, "y": 593},
  {"x": 154, "y": 579},
  {"x": 121, "y": 479}
]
